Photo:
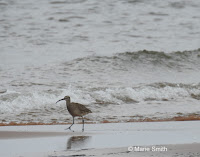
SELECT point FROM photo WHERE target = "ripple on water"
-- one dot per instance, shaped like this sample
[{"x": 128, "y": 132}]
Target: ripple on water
[{"x": 67, "y": 1}]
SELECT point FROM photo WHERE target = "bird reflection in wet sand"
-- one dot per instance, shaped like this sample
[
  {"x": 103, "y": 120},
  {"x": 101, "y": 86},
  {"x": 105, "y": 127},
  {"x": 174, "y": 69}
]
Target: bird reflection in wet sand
[{"x": 75, "y": 142}]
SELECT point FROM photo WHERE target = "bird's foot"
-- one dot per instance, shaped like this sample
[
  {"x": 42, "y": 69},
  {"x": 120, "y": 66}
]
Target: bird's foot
[{"x": 69, "y": 129}]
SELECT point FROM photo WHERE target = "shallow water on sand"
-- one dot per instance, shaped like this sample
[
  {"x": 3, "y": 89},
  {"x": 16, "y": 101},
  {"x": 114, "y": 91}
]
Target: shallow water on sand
[
  {"x": 94, "y": 52},
  {"x": 53, "y": 139}
]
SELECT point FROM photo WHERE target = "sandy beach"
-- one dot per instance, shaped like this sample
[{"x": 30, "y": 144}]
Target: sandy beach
[
  {"x": 111, "y": 139},
  {"x": 178, "y": 150}
]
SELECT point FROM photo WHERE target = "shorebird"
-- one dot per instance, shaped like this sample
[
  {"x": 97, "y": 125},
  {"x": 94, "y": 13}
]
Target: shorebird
[{"x": 76, "y": 110}]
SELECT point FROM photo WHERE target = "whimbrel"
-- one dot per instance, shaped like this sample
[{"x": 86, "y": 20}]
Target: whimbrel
[{"x": 76, "y": 110}]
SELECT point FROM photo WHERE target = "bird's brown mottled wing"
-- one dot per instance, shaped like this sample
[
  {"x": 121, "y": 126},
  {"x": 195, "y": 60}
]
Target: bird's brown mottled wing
[{"x": 84, "y": 110}]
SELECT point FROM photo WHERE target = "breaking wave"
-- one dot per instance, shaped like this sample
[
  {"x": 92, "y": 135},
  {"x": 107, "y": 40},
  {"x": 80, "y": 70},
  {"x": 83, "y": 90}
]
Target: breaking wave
[
  {"x": 148, "y": 82},
  {"x": 13, "y": 101},
  {"x": 122, "y": 61}
]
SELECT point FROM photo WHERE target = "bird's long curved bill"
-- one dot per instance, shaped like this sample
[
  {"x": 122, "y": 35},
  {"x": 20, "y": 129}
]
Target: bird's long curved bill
[{"x": 59, "y": 100}]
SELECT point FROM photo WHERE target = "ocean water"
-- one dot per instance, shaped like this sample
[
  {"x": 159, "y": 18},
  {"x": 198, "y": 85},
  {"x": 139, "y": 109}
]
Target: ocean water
[{"x": 124, "y": 59}]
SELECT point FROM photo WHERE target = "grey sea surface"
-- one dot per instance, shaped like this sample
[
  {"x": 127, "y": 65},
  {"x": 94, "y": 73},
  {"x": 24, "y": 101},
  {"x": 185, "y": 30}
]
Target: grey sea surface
[{"x": 123, "y": 59}]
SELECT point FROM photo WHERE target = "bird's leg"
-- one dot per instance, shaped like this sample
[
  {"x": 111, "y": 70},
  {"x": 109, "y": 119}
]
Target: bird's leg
[
  {"x": 70, "y": 125},
  {"x": 83, "y": 124}
]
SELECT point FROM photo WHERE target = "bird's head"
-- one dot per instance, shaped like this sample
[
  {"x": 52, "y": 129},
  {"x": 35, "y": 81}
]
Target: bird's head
[{"x": 66, "y": 98}]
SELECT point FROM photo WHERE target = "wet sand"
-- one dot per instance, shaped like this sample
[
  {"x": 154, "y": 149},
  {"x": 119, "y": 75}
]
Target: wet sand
[
  {"x": 21, "y": 135},
  {"x": 178, "y": 150},
  {"x": 111, "y": 139}
]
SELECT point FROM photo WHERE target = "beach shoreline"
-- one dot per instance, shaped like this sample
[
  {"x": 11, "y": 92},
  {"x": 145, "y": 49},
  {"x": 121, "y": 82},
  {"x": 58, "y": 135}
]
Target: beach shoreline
[
  {"x": 108, "y": 139},
  {"x": 190, "y": 117}
]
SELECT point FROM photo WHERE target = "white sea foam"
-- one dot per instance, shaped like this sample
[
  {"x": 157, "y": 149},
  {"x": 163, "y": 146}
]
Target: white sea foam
[{"x": 142, "y": 101}]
